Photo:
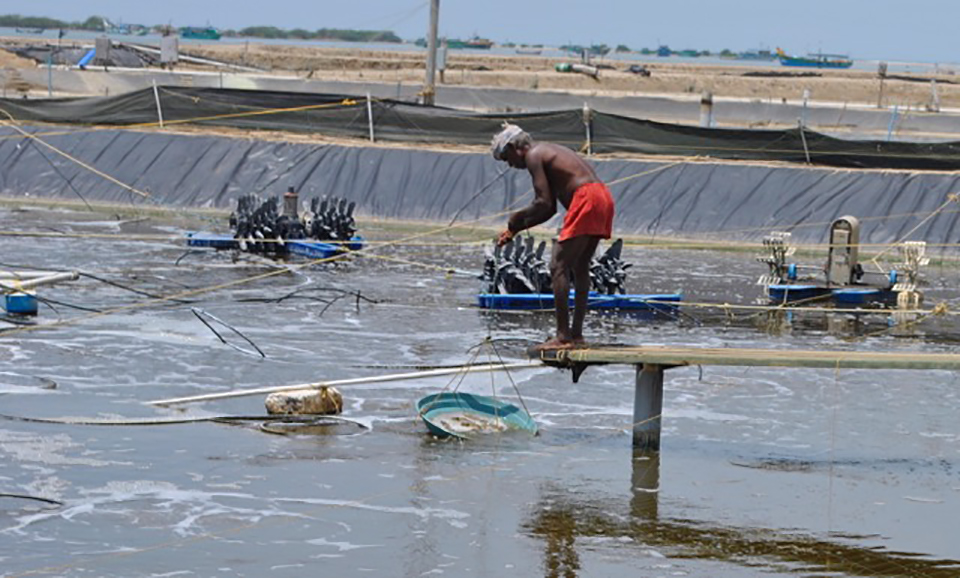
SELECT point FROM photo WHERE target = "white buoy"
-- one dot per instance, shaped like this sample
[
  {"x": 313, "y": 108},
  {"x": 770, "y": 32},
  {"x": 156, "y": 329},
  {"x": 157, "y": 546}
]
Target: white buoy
[{"x": 322, "y": 401}]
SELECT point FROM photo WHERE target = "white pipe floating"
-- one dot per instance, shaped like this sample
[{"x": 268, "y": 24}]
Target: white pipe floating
[
  {"x": 27, "y": 274},
  {"x": 353, "y": 381},
  {"x": 22, "y": 285}
]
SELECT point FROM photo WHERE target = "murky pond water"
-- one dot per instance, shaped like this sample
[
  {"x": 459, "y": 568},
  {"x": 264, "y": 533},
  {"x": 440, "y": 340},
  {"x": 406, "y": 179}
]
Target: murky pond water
[{"x": 762, "y": 471}]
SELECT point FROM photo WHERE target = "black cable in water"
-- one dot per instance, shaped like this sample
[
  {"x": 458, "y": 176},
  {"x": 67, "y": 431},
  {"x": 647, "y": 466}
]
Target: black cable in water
[
  {"x": 47, "y": 301},
  {"x": 279, "y": 299},
  {"x": 36, "y": 498},
  {"x": 131, "y": 289},
  {"x": 14, "y": 321},
  {"x": 343, "y": 293},
  {"x": 32, "y": 268},
  {"x": 189, "y": 252},
  {"x": 200, "y": 313},
  {"x": 295, "y": 294},
  {"x": 674, "y": 313},
  {"x": 491, "y": 341},
  {"x": 357, "y": 294},
  {"x": 327, "y": 306}
]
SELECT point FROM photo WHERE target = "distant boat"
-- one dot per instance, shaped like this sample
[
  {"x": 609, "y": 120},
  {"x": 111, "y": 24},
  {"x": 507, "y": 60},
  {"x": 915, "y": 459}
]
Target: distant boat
[
  {"x": 476, "y": 43},
  {"x": 815, "y": 60},
  {"x": 533, "y": 51},
  {"x": 200, "y": 33},
  {"x": 756, "y": 55},
  {"x": 664, "y": 51},
  {"x": 30, "y": 30}
]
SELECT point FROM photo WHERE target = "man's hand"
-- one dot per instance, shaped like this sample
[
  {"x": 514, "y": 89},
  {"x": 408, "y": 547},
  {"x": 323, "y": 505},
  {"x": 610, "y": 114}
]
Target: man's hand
[{"x": 505, "y": 237}]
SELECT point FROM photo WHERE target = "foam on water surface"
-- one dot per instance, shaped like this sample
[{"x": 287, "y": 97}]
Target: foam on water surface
[{"x": 821, "y": 447}]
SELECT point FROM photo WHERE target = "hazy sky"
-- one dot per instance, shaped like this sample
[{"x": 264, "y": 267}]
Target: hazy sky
[{"x": 866, "y": 29}]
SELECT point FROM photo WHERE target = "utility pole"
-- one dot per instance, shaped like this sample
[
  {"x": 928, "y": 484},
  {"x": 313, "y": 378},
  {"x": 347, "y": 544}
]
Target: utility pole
[
  {"x": 881, "y": 74},
  {"x": 429, "y": 89}
]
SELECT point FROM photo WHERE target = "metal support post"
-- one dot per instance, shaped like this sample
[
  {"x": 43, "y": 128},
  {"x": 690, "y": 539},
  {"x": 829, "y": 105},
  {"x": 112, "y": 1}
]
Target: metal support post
[
  {"x": 156, "y": 96},
  {"x": 803, "y": 109},
  {"x": 50, "y": 74},
  {"x": 893, "y": 121},
  {"x": 803, "y": 139},
  {"x": 645, "y": 482},
  {"x": 429, "y": 88},
  {"x": 706, "y": 109},
  {"x": 588, "y": 128},
  {"x": 882, "y": 74},
  {"x": 370, "y": 116},
  {"x": 648, "y": 407},
  {"x": 934, "y": 105}
]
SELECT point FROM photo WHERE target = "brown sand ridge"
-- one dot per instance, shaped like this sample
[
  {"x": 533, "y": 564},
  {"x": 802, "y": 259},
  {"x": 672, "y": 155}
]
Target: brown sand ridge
[
  {"x": 10, "y": 79},
  {"x": 538, "y": 73}
]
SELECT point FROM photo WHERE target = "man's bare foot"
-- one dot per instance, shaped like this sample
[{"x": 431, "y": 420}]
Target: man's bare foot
[
  {"x": 579, "y": 343},
  {"x": 553, "y": 344}
]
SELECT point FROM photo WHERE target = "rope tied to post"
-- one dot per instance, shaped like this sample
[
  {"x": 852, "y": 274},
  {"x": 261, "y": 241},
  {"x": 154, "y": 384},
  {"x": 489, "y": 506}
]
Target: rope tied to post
[{"x": 939, "y": 309}]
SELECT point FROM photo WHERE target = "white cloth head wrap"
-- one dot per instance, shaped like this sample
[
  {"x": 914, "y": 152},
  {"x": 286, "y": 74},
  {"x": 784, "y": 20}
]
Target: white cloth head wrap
[{"x": 503, "y": 138}]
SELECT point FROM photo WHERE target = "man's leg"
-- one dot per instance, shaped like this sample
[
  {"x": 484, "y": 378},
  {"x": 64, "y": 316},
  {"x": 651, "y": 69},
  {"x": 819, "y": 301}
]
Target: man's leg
[
  {"x": 581, "y": 279},
  {"x": 571, "y": 255},
  {"x": 560, "y": 277}
]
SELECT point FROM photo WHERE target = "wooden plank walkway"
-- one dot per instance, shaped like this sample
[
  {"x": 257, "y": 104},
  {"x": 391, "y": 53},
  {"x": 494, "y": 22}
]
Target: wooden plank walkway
[
  {"x": 652, "y": 361},
  {"x": 678, "y": 356}
]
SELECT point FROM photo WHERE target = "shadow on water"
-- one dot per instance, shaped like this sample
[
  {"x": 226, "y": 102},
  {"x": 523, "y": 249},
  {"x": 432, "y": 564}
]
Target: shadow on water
[{"x": 562, "y": 517}]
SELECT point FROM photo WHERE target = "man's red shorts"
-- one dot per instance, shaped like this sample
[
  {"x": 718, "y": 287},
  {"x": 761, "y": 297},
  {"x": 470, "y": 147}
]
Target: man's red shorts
[{"x": 590, "y": 213}]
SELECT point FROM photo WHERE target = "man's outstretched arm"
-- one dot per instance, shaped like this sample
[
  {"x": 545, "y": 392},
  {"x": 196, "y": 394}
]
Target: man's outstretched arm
[{"x": 544, "y": 203}]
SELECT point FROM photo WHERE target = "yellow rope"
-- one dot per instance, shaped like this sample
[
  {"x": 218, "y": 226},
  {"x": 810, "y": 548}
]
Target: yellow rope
[
  {"x": 52, "y": 133},
  {"x": 203, "y": 290},
  {"x": 939, "y": 310},
  {"x": 354, "y": 102},
  {"x": 169, "y": 298},
  {"x": 821, "y": 223},
  {"x": 112, "y": 236},
  {"x": 362, "y": 252},
  {"x": 952, "y": 197},
  {"x": 351, "y": 102},
  {"x": 446, "y": 270},
  {"x": 465, "y": 243},
  {"x": 345, "y": 102},
  {"x": 257, "y": 112},
  {"x": 13, "y": 124},
  {"x": 643, "y": 173}
]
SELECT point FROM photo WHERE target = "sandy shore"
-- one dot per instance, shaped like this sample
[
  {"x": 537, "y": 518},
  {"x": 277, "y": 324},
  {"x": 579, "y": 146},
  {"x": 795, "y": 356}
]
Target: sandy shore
[
  {"x": 764, "y": 82},
  {"x": 761, "y": 82}
]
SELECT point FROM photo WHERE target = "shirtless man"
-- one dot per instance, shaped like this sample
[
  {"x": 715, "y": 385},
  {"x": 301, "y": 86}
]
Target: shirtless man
[{"x": 559, "y": 174}]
